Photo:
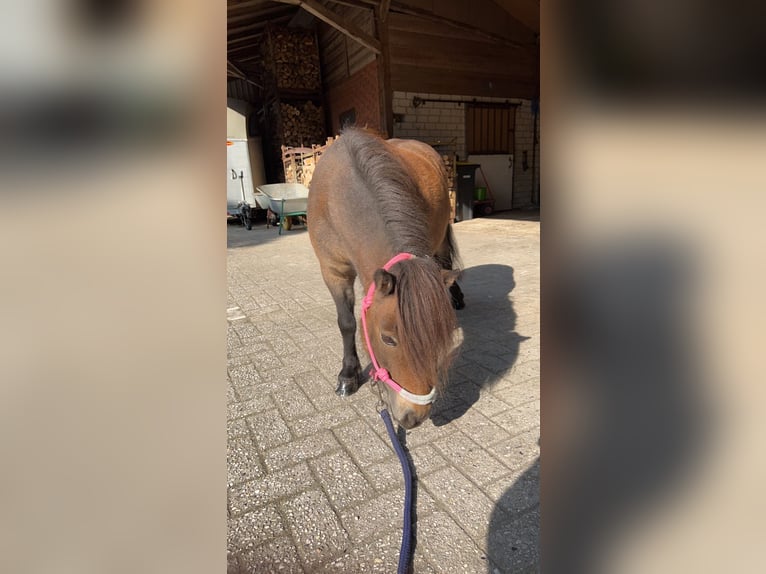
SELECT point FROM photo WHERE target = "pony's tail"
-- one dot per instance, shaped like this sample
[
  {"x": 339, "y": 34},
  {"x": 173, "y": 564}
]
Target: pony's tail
[{"x": 453, "y": 262}]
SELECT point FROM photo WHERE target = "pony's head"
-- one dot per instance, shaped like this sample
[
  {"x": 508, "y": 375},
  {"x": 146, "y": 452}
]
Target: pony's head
[{"x": 411, "y": 325}]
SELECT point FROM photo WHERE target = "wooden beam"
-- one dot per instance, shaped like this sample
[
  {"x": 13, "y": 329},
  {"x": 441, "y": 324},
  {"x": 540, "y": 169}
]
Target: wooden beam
[
  {"x": 354, "y": 4},
  {"x": 244, "y": 40},
  {"x": 245, "y": 4},
  {"x": 425, "y": 14},
  {"x": 336, "y": 21},
  {"x": 384, "y": 6},
  {"x": 384, "y": 73},
  {"x": 525, "y": 11},
  {"x": 232, "y": 67},
  {"x": 408, "y": 78}
]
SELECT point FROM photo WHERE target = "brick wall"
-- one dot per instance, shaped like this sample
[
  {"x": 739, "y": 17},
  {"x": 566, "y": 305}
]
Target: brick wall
[
  {"x": 441, "y": 122},
  {"x": 359, "y": 91}
]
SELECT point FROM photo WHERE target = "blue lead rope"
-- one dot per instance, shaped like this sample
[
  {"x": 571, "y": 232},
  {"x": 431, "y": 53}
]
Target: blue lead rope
[{"x": 404, "y": 552}]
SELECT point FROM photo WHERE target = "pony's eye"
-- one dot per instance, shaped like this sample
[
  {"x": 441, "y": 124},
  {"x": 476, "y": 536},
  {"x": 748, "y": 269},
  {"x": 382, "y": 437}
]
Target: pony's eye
[{"x": 390, "y": 341}]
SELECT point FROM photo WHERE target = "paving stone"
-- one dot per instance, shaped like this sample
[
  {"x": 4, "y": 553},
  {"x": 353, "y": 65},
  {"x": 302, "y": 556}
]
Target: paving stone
[
  {"x": 471, "y": 507},
  {"x": 285, "y": 348},
  {"x": 240, "y": 361},
  {"x": 384, "y": 475},
  {"x": 242, "y": 461},
  {"x": 517, "y": 492},
  {"x": 237, "y": 428},
  {"x": 300, "y": 450},
  {"x": 515, "y": 395},
  {"x": 232, "y": 563},
  {"x": 482, "y": 429},
  {"x": 383, "y": 513},
  {"x": 378, "y": 556},
  {"x": 529, "y": 414},
  {"x": 490, "y": 405},
  {"x": 244, "y": 375},
  {"x": 270, "y": 487},
  {"x": 364, "y": 445},
  {"x": 322, "y": 395},
  {"x": 251, "y": 406},
  {"x": 426, "y": 459},
  {"x": 478, "y": 374},
  {"x": 269, "y": 429},
  {"x": 300, "y": 334},
  {"x": 525, "y": 371},
  {"x": 323, "y": 420},
  {"x": 520, "y": 418},
  {"x": 266, "y": 363},
  {"x": 447, "y": 547},
  {"x": 428, "y": 432},
  {"x": 315, "y": 528},
  {"x": 513, "y": 545},
  {"x": 275, "y": 382},
  {"x": 254, "y": 528},
  {"x": 519, "y": 450},
  {"x": 342, "y": 481},
  {"x": 470, "y": 458},
  {"x": 249, "y": 393},
  {"x": 293, "y": 402},
  {"x": 245, "y": 330},
  {"x": 277, "y": 556},
  {"x": 419, "y": 563},
  {"x": 231, "y": 395}
]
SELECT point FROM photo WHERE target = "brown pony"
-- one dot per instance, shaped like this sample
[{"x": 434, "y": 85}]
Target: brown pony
[{"x": 370, "y": 200}]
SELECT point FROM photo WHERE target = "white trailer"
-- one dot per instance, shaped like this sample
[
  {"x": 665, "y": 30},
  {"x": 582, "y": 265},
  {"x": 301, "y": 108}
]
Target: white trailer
[{"x": 244, "y": 163}]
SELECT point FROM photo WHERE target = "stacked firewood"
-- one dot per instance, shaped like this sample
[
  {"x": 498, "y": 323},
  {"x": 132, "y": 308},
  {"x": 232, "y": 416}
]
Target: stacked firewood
[
  {"x": 293, "y": 94},
  {"x": 301, "y": 124},
  {"x": 291, "y": 59}
]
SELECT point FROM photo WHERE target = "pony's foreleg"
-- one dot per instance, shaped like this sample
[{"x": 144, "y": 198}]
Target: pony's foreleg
[
  {"x": 456, "y": 294},
  {"x": 350, "y": 375}
]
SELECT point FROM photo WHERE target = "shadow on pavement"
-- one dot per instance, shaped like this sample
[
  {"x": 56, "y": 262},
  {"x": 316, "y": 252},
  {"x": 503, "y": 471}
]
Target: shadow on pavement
[
  {"x": 628, "y": 381},
  {"x": 490, "y": 342},
  {"x": 238, "y": 236},
  {"x": 513, "y": 537}
]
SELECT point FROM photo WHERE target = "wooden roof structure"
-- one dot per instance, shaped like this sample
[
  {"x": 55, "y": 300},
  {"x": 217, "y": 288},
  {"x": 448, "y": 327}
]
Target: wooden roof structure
[{"x": 476, "y": 47}]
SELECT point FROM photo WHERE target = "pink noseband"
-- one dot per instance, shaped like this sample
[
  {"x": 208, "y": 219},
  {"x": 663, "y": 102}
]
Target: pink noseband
[{"x": 379, "y": 373}]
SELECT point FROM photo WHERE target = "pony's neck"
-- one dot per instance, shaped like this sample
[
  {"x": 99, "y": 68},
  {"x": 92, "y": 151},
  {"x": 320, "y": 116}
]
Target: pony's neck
[{"x": 418, "y": 250}]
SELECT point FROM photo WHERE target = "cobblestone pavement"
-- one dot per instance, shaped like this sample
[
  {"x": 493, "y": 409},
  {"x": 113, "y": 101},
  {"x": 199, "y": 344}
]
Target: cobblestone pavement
[{"x": 314, "y": 485}]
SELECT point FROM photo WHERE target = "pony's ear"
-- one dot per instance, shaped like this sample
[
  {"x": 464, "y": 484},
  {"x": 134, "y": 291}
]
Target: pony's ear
[
  {"x": 385, "y": 283},
  {"x": 449, "y": 277}
]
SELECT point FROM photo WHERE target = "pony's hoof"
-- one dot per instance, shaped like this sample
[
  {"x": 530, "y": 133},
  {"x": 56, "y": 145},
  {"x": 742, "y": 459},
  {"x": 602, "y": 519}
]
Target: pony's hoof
[
  {"x": 458, "y": 304},
  {"x": 346, "y": 387}
]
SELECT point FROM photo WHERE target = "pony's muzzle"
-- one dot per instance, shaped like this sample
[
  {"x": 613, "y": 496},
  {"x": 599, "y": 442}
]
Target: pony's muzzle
[
  {"x": 410, "y": 420},
  {"x": 410, "y": 416}
]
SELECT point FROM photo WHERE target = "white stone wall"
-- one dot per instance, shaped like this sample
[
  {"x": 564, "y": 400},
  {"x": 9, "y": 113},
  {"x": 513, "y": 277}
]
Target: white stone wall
[
  {"x": 444, "y": 123},
  {"x": 432, "y": 122}
]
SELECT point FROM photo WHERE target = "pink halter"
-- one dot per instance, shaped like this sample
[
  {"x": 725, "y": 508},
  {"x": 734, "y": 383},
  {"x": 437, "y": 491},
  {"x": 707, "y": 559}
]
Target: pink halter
[{"x": 379, "y": 373}]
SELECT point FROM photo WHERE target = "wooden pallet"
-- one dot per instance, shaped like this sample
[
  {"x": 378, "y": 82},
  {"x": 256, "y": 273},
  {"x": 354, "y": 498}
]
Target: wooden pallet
[{"x": 299, "y": 162}]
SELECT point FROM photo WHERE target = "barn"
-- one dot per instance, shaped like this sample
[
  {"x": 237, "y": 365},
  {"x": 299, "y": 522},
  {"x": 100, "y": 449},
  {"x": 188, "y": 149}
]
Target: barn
[{"x": 460, "y": 76}]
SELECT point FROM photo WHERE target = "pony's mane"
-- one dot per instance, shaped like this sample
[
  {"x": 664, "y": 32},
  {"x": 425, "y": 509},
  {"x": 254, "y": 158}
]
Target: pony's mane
[
  {"x": 395, "y": 192},
  {"x": 426, "y": 317}
]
